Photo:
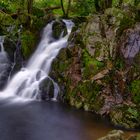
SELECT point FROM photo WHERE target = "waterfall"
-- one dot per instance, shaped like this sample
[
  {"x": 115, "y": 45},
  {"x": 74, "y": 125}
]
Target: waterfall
[
  {"x": 1, "y": 43},
  {"x": 25, "y": 83},
  {"x": 17, "y": 52},
  {"x": 4, "y": 64}
]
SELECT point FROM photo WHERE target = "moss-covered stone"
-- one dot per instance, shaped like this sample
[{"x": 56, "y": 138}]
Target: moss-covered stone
[
  {"x": 91, "y": 66},
  {"x": 27, "y": 42},
  {"x": 125, "y": 116},
  {"x": 85, "y": 95},
  {"x": 59, "y": 29}
]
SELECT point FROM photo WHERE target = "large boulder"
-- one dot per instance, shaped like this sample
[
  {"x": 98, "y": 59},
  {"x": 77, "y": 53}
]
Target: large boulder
[{"x": 46, "y": 88}]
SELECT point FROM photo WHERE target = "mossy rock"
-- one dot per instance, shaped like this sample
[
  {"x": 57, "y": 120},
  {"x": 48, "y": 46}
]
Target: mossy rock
[
  {"x": 125, "y": 116},
  {"x": 27, "y": 42},
  {"x": 114, "y": 135},
  {"x": 135, "y": 91},
  {"x": 91, "y": 66},
  {"x": 84, "y": 96},
  {"x": 59, "y": 28}
]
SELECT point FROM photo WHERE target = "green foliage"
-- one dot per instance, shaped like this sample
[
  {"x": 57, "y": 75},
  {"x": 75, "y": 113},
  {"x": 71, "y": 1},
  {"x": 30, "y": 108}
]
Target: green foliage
[
  {"x": 3, "y": 5},
  {"x": 11, "y": 5},
  {"x": 125, "y": 23},
  {"x": 119, "y": 63},
  {"x": 46, "y": 3},
  {"x": 83, "y": 7},
  {"x": 5, "y": 22},
  {"x": 133, "y": 112},
  {"x": 135, "y": 89},
  {"x": 136, "y": 2},
  {"x": 38, "y": 12}
]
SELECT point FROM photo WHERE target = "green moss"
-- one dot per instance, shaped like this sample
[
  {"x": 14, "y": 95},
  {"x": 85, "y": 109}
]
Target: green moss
[
  {"x": 126, "y": 116},
  {"x": 5, "y": 22},
  {"x": 38, "y": 12},
  {"x": 84, "y": 95},
  {"x": 135, "y": 90},
  {"x": 91, "y": 65},
  {"x": 125, "y": 23},
  {"x": 119, "y": 63},
  {"x": 27, "y": 41}
]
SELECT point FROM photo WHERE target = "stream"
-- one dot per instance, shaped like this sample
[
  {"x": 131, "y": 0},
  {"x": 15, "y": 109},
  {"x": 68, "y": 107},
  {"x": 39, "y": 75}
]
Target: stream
[
  {"x": 48, "y": 121},
  {"x": 33, "y": 120}
]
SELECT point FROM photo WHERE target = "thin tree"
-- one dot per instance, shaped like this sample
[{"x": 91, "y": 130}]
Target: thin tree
[
  {"x": 29, "y": 9},
  {"x": 97, "y": 7},
  {"x": 62, "y": 6},
  {"x": 68, "y": 8}
]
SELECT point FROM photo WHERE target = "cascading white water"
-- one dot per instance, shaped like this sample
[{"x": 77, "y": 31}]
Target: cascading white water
[
  {"x": 4, "y": 63},
  {"x": 1, "y": 43},
  {"x": 26, "y": 82}
]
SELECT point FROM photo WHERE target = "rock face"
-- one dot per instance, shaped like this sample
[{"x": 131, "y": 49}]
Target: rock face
[
  {"x": 59, "y": 29},
  {"x": 119, "y": 135},
  {"x": 113, "y": 135},
  {"x": 100, "y": 71},
  {"x": 126, "y": 116}
]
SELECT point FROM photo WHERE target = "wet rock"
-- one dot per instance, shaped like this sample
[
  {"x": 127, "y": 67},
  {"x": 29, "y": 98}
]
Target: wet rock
[
  {"x": 113, "y": 135},
  {"x": 46, "y": 88},
  {"x": 119, "y": 135},
  {"x": 134, "y": 137},
  {"x": 59, "y": 29}
]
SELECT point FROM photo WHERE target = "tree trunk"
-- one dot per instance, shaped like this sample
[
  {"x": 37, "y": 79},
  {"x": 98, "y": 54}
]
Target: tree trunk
[
  {"x": 108, "y": 4},
  {"x": 97, "y": 7},
  {"x": 62, "y": 6},
  {"x": 68, "y": 8},
  {"x": 120, "y": 3},
  {"x": 29, "y": 8}
]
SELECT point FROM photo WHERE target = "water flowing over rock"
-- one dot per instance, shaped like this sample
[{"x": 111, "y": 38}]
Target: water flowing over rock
[
  {"x": 26, "y": 82},
  {"x": 4, "y": 64},
  {"x": 1, "y": 43}
]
